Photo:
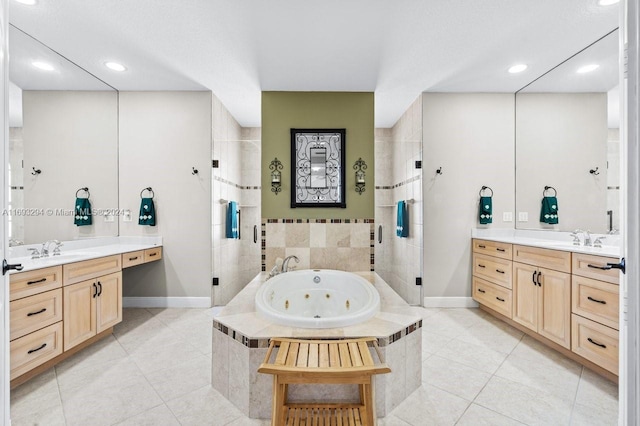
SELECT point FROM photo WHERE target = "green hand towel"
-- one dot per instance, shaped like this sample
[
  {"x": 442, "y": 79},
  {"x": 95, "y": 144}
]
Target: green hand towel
[
  {"x": 549, "y": 210},
  {"x": 82, "y": 212},
  {"x": 147, "y": 212},
  {"x": 486, "y": 208}
]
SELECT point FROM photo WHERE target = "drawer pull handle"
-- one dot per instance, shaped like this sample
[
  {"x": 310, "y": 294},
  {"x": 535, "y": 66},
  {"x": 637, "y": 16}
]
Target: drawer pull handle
[
  {"x": 132, "y": 258},
  {"x": 499, "y": 271},
  {"x": 36, "y": 313},
  {"x": 41, "y": 280},
  {"x": 37, "y": 349},
  {"x": 152, "y": 254},
  {"x": 481, "y": 266},
  {"x": 596, "y": 343},
  {"x": 533, "y": 277},
  {"x": 481, "y": 246},
  {"x": 500, "y": 299},
  {"x": 481, "y": 291},
  {"x": 538, "y": 279},
  {"x": 596, "y": 300},
  {"x": 501, "y": 249},
  {"x": 604, "y": 268},
  {"x": 100, "y": 286},
  {"x": 95, "y": 290}
]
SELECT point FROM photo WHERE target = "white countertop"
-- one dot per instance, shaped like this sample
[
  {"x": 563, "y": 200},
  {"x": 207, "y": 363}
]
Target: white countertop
[
  {"x": 555, "y": 240},
  {"x": 79, "y": 250}
]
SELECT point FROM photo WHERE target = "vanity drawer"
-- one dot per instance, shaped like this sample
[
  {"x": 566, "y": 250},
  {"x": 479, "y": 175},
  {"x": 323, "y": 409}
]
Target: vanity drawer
[
  {"x": 581, "y": 267},
  {"x": 596, "y": 300},
  {"x": 153, "y": 254},
  {"x": 595, "y": 342},
  {"x": 35, "y": 312},
  {"x": 493, "y": 248},
  {"x": 25, "y": 284},
  {"x": 36, "y": 348},
  {"x": 88, "y": 269},
  {"x": 132, "y": 258},
  {"x": 493, "y": 269},
  {"x": 492, "y": 296},
  {"x": 545, "y": 258}
]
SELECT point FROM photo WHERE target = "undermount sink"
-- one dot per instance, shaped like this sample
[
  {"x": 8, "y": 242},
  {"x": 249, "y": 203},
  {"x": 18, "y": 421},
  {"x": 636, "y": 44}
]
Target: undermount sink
[{"x": 66, "y": 257}]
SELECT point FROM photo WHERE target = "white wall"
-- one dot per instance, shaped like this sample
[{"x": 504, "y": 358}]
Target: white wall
[
  {"x": 162, "y": 136},
  {"x": 560, "y": 137},
  {"x": 72, "y": 137},
  {"x": 471, "y": 136}
]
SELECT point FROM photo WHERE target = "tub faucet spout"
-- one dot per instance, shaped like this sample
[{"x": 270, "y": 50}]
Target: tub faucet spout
[{"x": 285, "y": 263}]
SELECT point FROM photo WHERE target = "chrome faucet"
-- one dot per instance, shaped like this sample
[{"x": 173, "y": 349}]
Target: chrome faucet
[
  {"x": 285, "y": 263},
  {"x": 586, "y": 236},
  {"x": 47, "y": 245}
]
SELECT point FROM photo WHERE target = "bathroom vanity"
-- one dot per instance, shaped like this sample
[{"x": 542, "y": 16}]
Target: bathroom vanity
[
  {"x": 561, "y": 295},
  {"x": 62, "y": 304}
]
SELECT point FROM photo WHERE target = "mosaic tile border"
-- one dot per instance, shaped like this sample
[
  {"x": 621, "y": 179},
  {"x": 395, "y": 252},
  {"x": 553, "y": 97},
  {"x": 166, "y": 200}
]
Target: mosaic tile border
[
  {"x": 264, "y": 342},
  {"x": 398, "y": 185},
  {"x": 263, "y": 235},
  {"x": 228, "y": 182}
]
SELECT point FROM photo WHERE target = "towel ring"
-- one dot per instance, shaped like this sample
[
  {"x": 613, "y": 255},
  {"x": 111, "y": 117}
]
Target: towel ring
[
  {"x": 546, "y": 188},
  {"x": 85, "y": 189},
  {"x": 484, "y": 188},
  {"x": 147, "y": 189}
]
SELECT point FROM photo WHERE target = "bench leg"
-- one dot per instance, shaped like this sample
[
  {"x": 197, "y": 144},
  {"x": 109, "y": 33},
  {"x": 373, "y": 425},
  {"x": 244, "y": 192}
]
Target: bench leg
[{"x": 279, "y": 401}]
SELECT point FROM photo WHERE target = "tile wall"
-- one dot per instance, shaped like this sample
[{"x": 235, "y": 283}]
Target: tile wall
[
  {"x": 343, "y": 244},
  {"x": 399, "y": 260},
  {"x": 237, "y": 178}
]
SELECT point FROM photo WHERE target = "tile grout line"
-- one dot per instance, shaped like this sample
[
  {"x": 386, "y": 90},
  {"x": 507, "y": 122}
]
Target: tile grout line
[{"x": 575, "y": 397}]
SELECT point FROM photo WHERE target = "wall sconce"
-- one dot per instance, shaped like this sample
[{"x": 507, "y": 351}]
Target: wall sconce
[
  {"x": 276, "y": 175},
  {"x": 360, "y": 166}
]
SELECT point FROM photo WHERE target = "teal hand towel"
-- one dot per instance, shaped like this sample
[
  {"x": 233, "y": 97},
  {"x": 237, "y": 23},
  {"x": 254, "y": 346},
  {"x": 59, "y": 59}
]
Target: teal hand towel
[
  {"x": 402, "y": 220},
  {"x": 486, "y": 210},
  {"x": 549, "y": 210},
  {"x": 147, "y": 212},
  {"x": 82, "y": 216},
  {"x": 232, "y": 227}
]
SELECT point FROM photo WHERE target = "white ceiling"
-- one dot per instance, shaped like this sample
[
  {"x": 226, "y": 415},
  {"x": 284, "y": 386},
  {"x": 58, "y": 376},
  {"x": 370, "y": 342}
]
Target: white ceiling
[{"x": 396, "y": 49}]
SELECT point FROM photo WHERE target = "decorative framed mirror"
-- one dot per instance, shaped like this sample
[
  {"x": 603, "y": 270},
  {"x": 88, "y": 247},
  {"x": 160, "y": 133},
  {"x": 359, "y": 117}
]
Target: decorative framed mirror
[{"x": 317, "y": 168}]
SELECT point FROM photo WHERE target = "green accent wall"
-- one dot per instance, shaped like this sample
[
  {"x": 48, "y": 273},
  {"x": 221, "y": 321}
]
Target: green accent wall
[{"x": 282, "y": 111}]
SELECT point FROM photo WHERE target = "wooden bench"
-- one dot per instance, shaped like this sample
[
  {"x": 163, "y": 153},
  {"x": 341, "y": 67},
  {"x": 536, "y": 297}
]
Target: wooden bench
[{"x": 347, "y": 361}]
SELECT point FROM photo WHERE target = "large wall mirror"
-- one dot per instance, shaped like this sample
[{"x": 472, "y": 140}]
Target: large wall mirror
[
  {"x": 63, "y": 136},
  {"x": 567, "y": 138}
]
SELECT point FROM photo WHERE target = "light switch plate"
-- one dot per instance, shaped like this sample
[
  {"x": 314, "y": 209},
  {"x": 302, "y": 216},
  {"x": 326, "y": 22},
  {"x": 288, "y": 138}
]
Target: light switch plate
[
  {"x": 126, "y": 217},
  {"x": 523, "y": 216},
  {"x": 507, "y": 216},
  {"x": 108, "y": 218}
]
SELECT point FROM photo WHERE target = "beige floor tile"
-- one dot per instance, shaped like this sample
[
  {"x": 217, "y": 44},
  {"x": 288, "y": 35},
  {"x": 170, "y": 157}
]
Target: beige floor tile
[
  {"x": 442, "y": 324},
  {"x": 392, "y": 421},
  {"x": 152, "y": 358},
  {"x": 245, "y": 421},
  {"x": 181, "y": 379},
  {"x": 156, "y": 416},
  {"x": 52, "y": 416},
  {"x": 152, "y": 333},
  {"x": 432, "y": 343},
  {"x": 106, "y": 350},
  {"x": 497, "y": 337},
  {"x": 586, "y": 415},
  {"x": 120, "y": 372},
  {"x": 523, "y": 403},
  {"x": 431, "y": 406},
  {"x": 109, "y": 404},
  {"x": 597, "y": 392},
  {"x": 203, "y": 406},
  {"x": 453, "y": 377},
  {"x": 39, "y": 393},
  {"x": 483, "y": 358},
  {"x": 480, "y": 416}
]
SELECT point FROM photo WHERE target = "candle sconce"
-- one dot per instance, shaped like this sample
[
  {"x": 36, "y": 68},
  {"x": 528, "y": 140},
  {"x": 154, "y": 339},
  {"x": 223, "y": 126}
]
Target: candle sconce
[
  {"x": 360, "y": 166},
  {"x": 276, "y": 175}
]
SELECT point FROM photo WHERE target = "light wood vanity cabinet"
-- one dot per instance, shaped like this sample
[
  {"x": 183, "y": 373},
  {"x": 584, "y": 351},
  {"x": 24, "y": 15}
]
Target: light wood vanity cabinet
[
  {"x": 57, "y": 311},
  {"x": 492, "y": 274}
]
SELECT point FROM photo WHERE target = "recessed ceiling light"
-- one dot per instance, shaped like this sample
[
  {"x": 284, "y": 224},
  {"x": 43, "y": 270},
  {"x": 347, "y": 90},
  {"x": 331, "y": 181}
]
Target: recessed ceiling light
[
  {"x": 42, "y": 66},
  {"x": 115, "y": 66},
  {"x": 27, "y": 2},
  {"x": 607, "y": 2},
  {"x": 587, "y": 68},
  {"x": 517, "y": 68}
]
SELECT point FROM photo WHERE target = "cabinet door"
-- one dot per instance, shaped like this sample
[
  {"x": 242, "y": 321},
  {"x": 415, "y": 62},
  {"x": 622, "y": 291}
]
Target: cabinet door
[
  {"x": 554, "y": 304},
  {"x": 109, "y": 301},
  {"x": 79, "y": 311},
  {"x": 525, "y": 295}
]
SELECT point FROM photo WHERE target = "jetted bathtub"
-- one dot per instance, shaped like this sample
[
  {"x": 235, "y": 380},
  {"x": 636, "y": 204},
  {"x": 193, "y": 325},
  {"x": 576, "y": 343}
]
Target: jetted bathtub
[{"x": 317, "y": 298}]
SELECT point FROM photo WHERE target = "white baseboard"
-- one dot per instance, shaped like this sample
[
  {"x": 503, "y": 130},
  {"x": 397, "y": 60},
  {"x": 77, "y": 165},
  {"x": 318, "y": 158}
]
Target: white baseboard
[
  {"x": 450, "y": 302},
  {"x": 166, "y": 302}
]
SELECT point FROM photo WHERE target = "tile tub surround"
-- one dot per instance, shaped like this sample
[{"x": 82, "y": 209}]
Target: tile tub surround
[
  {"x": 342, "y": 244},
  {"x": 240, "y": 340}
]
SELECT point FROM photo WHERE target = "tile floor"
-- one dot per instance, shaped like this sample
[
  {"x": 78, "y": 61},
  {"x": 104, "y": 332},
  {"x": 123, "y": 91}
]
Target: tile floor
[{"x": 155, "y": 370}]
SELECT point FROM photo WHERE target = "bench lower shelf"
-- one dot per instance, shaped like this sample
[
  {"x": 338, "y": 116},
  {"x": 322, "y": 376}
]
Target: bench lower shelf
[{"x": 325, "y": 415}]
